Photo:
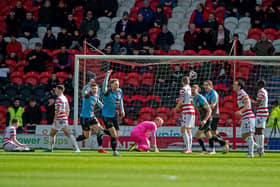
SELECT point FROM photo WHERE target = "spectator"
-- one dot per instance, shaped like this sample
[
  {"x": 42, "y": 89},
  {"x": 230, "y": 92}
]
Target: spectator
[
  {"x": 32, "y": 116},
  {"x": 109, "y": 8},
  {"x": 92, "y": 39},
  {"x": 232, "y": 8},
  {"x": 108, "y": 49},
  {"x": 257, "y": 17},
  {"x": 50, "y": 108},
  {"x": 89, "y": 23},
  {"x": 63, "y": 38},
  {"x": 130, "y": 44},
  {"x": 68, "y": 84},
  {"x": 177, "y": 75},
  {"x": 274, "y": 117},
  {"x": 239, "y": 47},
  {"x": 247, "y": 7},
  {"x": 124, "y": 26},
  {"x": 49, "y": 41},
  {"x": 60, "y": 14},
  {"x": 94, "y": 6},
  {"x": 63, "y": 61},
  {"x": 212, "y": 22},
  {"x": 15, "y": 112},
  {"x": 160, "y": 17},
  {"x": 147, "y": 12},
  {"x": 139, "y": 26},
  {"x": 70, "y": 24},
  {"x": 163, "y": 74},
  {"x": 220, "y": 38},
  {"x": 19, "y": 11},
  {"x": 38, "y": 2},
  {"x": 199, "y": 16},
  {"x": 12, "y": 23},
  {"x": 151, "y": 51},
  {"x": 145, "y": 44},
  {"x": 168, "y": 3},
  {"x": 29, "y": 27},
  {"x": 204, "y": 39},
  {"x": 45, "y": 15},
  {"x": 263, "y": 47},
  {"x": 77, "y": 41},
  {"x": 4, "y": 72},
  {"x": 190, "y": 37},
  {"x": 3, "y": 48},
  {"x": 164, "y": 39},
  {"x": 271, "y": 18},
  {"x": 14, "y": 49},
  {"x": 116, "y": 44},
  {"x": 52, "y": 82},
  {"x": 37, "y": 59}
]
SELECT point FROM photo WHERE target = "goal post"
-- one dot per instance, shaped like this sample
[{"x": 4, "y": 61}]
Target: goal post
[{"x": 222, "y": 70}]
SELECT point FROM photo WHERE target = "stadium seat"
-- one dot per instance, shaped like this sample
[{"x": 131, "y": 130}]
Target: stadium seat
[
  {"x": 33, "y": 41},
  {"x": 175, "y": 115},
  {"x": 137, "y": 102},
  {"x": 160, "y": 52},
  {"x": 5, "y": 100},
  {"x": 21, "y": 65},
  {"x": 78, "y": 21},
  {"x": 126, "y": 100},
  {"x": 255, "y": 33},
  {"x": 163, "y": 112},
  {"x": 32, "y": 78},
  {"x": 11, "y": 89},
  {"x": 220, "y": 52},
  {"x": 55, "y": 52},
  {"x": 79, "y": 11},
  {"x": 26, "y": 90},
  {"x": 133, "y": 78},
  {"x": 24, "y": 42},
  {"x": 39, "y": 90},
  {"x": 174, "y": 52},
  {"x": 171, "y": 122},
  {"x": 17, "y": 77},
  {"x": 25, "y": 53},
  {"x": 61, "y": 76},
  {"x": 11, "y": 64},
  {"x": 41, "y": 32},
  {"x": 204, "y": 52},
  {"x": 219, "y": 12},
  {"x": 249, "y": 53},
  {"x": 153, "y": 101},
  {"x": 128, "y": 89},
  {"x": 128, "y": 121},
  {"x": 271, "y": 34},
  {"x": 154, "y": 32},
  {"x": 276, "y": 45},
  {"x": 248, "y": 43},
  {"x": 44, "y": 77},
  {"x": 5, "y": 11},
  {"x": 224, "y": 116},
  {"x": 144, "y": 89},
  {"x": 147, "y": 79},
  {"x": 3, "y": 112},
  {"x": 189, "y": 52},
  {"x": 231, "y": 23},
  {"x": 68, "y": 98},
  {"x": 119, "y": 75},
  {"x": 147, "y": 113}
]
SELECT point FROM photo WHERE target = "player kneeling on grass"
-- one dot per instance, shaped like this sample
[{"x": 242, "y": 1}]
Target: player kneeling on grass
[
  {"x": 61, "y": 120},
  {"x": 88, "y": 120},
  {"x": 140, "y": 135},
  {"x": 10, "y": 142},
  {"x": 204, "y": 111}
]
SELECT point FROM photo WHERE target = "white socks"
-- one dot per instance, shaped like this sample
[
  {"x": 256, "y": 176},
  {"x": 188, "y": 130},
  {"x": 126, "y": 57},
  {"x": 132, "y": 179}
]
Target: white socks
[
  {"x": 51, "y": 142},
  {"x": 100, "y": 147},
  {"x": 190, "y": 142},
  {"x": 74, "y": 142},
  {"x": 186, "y": 140},
  {"x": 260, "y": 140},
  {"x": 251, "y": 143}
]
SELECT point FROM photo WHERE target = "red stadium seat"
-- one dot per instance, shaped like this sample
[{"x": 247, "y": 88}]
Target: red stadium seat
[
  {"x": 79, "y": 11},
  {"x": 47, "y": 51},
  {"x": 163, "y": 112},
  {"x": 249, "y": 53},
  {"x": 35, "y": 10},
  {"x": 189, "y": 52},
  {"x": 167, "y": 11},
  {"x": 154, "y": 31},
  {"x": 133, "y": 79},
  {"x": 44, "y": 77},
  {"x": 204, "y": 52},
  {"x": 220, "y": 87},
  {"x": 3, "y": 111},
  {"x": 140, "y": 98},
  {"x": 32, "y": 78},
  {"x": 68, "y": 98},
  {"x": 176, "y": 115},
  {"x": 61, "y": 76},
  {"x": 171, "y": 122},
  {"x": 153, "y": 100},
  {"x": 220, "y": 53},
  {"x": 174, "y": 52},
  {"x": 78, "y": 21},
  {"x": 122, "y": 40},
  {"x": 73, "y": 52},
  {"x": 147, "y": 113},
  {"x": 55, "y": 52},
  {"x": 160, "y": 52},
  {"x": 255, "y": 33},
  {"x": 6, "y": 10},
  {"x": 11, "y": 64},
  {"x": 219, "y": 12},
  {"x": 271, "y": 34},
  {"x": 3, "y": 27},
  {"x": 128, "y": 121},
  {"x": 21, "y": 65},
  {"x": 17, "y": 77},
  {"x": 148, "y": 79}
]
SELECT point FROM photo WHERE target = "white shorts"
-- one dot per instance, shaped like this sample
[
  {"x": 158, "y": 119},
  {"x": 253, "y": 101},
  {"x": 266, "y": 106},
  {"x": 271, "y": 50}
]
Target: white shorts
[
  {"x": 188, "y": 120},
  {"x": 10, "y": 146},
  {"x": 247, "y": 125},
  {"x": 261, "y": 122},
  {"x": 60, "y": 124}
]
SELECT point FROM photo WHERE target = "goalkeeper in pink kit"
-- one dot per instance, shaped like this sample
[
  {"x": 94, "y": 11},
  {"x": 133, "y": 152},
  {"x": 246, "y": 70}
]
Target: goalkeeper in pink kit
[{"x": 140, "y": 135}]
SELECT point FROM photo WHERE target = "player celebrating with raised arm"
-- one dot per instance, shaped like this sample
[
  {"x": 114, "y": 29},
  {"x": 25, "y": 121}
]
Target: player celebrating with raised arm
[
  {"x": 261, "y": 115},
  {"x": 61, "y": 120},
  {"x": 140, "y": 135},
  {"x": 248, "y": 117},
  {"x": 10, "y": 142},
  {"x": 113, "y": 97},
  {"x": 188, "y": 113},
  {"x": 88, "y": 120},
  {"x": 213, "y": 99}
]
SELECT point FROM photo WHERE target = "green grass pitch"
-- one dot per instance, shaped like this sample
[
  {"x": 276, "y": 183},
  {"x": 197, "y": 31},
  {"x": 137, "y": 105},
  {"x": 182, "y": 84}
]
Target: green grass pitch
[{"x": 165, "y": 169}]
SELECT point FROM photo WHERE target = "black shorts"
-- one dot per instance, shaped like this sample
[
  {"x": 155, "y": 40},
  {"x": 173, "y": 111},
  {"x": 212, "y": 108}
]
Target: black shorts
[
  {"x": 206, "y": 127},
  {"x": 214, "y": 123},
  {"x": 87, "y": 123},
  {"x": 111, "y": 122}
]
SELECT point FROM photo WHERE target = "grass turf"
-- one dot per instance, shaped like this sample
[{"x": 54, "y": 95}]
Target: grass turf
[{"x": 164, "y": 169}]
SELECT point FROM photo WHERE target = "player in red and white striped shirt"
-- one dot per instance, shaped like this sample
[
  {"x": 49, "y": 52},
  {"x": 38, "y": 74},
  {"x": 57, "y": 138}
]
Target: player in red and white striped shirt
[
  {"x": 10, "y": 142},
  {"x": 61, "y": 120},
  {"x": 261, "y": 115},
  {"x": 248, "y": 117},
  {"x": 188, "y": 113}
]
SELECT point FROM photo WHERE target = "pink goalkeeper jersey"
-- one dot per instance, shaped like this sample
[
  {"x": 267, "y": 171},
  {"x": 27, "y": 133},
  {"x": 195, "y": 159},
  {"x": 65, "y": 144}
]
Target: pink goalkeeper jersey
[{"x": 145, "y": 128}]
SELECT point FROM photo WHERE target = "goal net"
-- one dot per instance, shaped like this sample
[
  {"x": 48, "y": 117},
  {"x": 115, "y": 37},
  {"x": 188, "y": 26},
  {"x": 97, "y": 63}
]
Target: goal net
[{"x": 151, "y": 85}]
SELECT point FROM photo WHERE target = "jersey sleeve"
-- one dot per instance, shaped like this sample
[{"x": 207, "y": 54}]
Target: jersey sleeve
[
  {"x": 203, "y": 102},
  {"x": 182, "y": 92},
  {"x": 260, "y": 95},
  {"x": 58, "y": 103},
  {"x": 214, "y": 98}
]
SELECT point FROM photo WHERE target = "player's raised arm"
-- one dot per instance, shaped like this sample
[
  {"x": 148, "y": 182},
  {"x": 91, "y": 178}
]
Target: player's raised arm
[
  {"x": 99, "y": 103},
  {"x": 122, "y": 106},
  {"x": 105, "y": 83}
]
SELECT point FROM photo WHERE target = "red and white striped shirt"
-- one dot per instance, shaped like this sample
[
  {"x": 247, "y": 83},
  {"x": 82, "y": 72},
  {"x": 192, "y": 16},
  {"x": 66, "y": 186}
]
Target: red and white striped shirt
[
  {"x": 262, "y": 110},
  {"x": 187, "y": 107},
  {"x": 242, "y": 98},
  {"x": 10, "y": 132},
  {"x": 62, "y": 103}
]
